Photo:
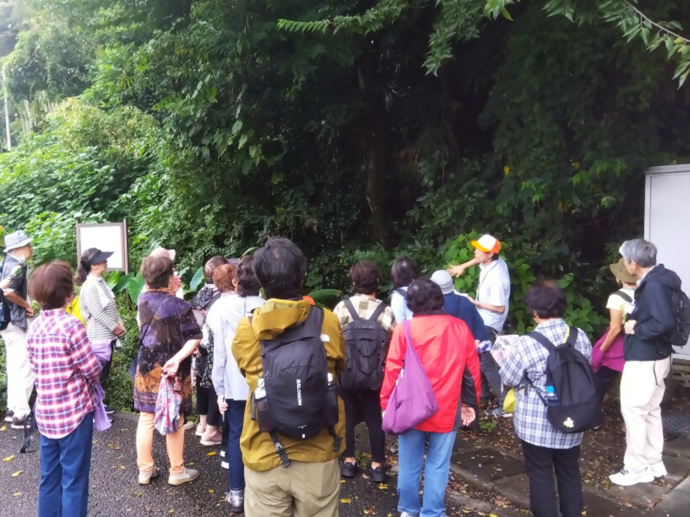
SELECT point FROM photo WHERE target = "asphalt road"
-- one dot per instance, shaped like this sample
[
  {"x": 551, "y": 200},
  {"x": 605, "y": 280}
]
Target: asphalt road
[{"x": 114, "y": 490}]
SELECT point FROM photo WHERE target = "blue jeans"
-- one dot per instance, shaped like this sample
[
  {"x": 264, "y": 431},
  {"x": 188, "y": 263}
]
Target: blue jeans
[
  {"x": 411, "y": 447},
  {"x": 65, "y": 465},
  {"x": 235, "y": 416}
]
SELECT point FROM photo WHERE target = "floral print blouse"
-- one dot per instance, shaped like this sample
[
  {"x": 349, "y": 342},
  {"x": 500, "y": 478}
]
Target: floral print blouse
[{"x": 166, "y": 324}]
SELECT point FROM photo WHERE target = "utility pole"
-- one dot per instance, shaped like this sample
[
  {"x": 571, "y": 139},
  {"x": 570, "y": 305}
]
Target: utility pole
[{"x": 7, "y": 108}]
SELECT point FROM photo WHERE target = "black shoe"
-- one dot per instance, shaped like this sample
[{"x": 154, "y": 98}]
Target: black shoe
[
  {"x": 19, "y": 423},
  {"x": 378, "y": 474},
  {"x": 348, "y": 470},
  {"x": 109, "y": 410},
  {"x": 9, "y": 416}
]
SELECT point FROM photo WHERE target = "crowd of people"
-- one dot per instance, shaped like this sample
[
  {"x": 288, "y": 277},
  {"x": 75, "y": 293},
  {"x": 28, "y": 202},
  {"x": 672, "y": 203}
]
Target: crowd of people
[{"x": 281, "y": 382}]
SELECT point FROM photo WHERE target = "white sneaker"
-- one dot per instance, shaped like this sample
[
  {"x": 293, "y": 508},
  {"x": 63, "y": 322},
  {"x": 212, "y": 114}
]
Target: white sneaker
[
  {"x": 625, "y": 478},
  {"x": 146, "y": 477},
  {"x": 200, "y": 430},
  {"x": 497, "y": 412},
  {"x": 185, "y": 477},
  {"x": 658, "y": 469},
  {"x": 211, "y": 437},
  {"x": 189, "y": 425},
  {"x": 225, "y": 465}
]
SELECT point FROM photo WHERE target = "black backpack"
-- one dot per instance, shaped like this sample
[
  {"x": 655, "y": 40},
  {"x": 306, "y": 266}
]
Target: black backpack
[
  {"x": 571, "y": 375},
  {"x": 367, "y": 346},
  {"x": 680, "y": 307},
  {"x": 5, "y": 316},
  {"x": 301, "y": 399}
]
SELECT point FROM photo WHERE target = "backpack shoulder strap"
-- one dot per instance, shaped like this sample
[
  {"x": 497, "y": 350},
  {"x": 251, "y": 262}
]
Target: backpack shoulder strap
[
  {"x": 624, "y": 295},
  {"x": 542, "y": 340},
  {"x": 572, "y": 336},
  {"x": 351, "y": 309},
  {"x": 379, "y": 310}
]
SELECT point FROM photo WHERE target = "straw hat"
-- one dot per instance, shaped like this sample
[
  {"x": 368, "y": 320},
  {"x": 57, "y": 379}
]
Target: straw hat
[{"x": 621, "y": 273}]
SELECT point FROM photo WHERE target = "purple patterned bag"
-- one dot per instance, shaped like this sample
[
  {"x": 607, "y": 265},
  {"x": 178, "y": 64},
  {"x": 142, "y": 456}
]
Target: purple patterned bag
[
  {"x": 412, "y": 400},
  {"x": 167, "y": 417}
]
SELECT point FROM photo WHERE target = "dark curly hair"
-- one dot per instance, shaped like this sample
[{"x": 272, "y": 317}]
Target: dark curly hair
[
  {"x": 281, "y": 268},
  {"x": 424, "y": 296},
  {"x": 365, "y": 277},
  {"x": 546, "y": 300}
]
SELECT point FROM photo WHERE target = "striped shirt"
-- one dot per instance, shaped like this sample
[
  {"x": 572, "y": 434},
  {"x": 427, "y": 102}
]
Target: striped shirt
[
  {"x": 66, "y": 370},
  {"x": 365, "y": 307},
  {"x": 100, "y": 321},
  {"x": 529, "y": 358}
]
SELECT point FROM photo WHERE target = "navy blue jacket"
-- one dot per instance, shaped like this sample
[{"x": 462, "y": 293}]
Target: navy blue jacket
[
  {"x": 462, "y": 308},
  {"x": 654, "y": 316}
]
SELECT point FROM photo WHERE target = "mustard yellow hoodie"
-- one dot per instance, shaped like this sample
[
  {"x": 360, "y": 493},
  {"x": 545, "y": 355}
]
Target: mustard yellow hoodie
[{"x": 268, "y": 322}]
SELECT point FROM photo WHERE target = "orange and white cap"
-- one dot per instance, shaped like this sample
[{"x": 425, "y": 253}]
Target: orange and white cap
[{"x": 487, "y": 244}]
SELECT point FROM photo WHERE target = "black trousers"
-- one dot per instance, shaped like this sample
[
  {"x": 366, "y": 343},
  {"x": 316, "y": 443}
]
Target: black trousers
[
  {"x": 207, "y": 404},
  {"x": 105, "y": 367},
  {"x": 540, "y": 463},
  {"x": 364, "y": 405},
  {"x": 604, "y": 378}
]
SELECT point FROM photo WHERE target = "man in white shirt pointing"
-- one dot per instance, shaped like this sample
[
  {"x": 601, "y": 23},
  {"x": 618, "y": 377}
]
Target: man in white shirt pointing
[{"x": 492, "y": 302}]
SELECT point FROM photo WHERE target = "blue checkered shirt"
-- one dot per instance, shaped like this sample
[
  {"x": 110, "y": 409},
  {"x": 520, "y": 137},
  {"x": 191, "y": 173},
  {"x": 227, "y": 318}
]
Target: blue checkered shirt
[{"x": 529, "y": 358}]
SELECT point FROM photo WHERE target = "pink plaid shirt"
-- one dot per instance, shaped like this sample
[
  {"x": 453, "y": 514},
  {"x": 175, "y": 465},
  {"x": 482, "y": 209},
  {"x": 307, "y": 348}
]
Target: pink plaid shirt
[{"x": 66, "y": 370}]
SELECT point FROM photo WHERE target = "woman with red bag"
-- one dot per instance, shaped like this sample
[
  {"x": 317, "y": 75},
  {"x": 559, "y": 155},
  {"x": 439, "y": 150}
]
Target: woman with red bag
[
  {"x": 445, "y": 347},
  {"x": 607, "y": 354}
]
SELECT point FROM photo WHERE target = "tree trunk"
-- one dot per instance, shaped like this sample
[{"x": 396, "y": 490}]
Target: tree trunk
[{"x": 375, "y": 148}]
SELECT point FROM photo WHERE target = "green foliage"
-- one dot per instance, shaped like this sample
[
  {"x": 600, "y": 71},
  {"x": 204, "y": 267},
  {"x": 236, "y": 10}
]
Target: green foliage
[
  {"x": 77, "y": 169},
  {"x": 197, "y": 279},
  {"x": 213, "y": 125},
  {"x": 488, "y": 426},
  {"x": 51, "y": 55}
]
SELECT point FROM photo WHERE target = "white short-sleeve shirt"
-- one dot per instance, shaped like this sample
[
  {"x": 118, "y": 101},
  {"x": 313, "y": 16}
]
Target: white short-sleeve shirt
[{"x": 494, "y": 289}]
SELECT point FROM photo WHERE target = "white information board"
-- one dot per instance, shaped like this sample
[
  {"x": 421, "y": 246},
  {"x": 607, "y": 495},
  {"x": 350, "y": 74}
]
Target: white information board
[
  {"x": 106, "y": 237},
  {"x": 667, "y": 218}
]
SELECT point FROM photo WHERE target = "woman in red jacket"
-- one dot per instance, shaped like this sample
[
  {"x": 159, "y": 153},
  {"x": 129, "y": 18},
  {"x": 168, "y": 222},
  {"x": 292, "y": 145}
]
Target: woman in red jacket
[{"x": 446, "y": 348}]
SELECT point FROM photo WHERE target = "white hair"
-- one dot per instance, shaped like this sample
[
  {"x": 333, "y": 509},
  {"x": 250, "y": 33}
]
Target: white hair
[{"x": 642, "y": 252}]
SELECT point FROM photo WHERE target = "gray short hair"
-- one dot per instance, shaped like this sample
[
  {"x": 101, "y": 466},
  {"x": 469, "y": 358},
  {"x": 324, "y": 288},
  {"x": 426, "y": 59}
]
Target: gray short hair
[{"x": 639, "y": 250}]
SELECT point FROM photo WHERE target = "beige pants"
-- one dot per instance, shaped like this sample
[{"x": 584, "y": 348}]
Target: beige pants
[
  {"x": 20, "y": 375},
  {"x": 642, "y": 389},
  {"x": 301, "y": 490},
  {"x": 174, "y": 443}
]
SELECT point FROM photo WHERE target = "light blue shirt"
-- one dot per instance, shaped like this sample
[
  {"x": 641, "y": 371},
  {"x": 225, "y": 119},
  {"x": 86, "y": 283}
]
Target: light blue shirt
[
  {"x": 222, "y": 320},
  {"x": 399, "y": 306}
]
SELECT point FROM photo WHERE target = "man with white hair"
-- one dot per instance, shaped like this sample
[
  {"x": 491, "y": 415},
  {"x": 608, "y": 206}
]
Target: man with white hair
[
  {"x": 20, "y": 377},
  {"x": 647, "y": 351}
]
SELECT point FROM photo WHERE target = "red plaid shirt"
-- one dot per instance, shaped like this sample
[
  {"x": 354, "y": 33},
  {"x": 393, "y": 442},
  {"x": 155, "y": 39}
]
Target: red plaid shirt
[{"x": 66, "y": 370}]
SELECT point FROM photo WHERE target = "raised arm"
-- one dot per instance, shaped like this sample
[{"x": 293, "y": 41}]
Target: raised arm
[{"x": 459, "y": 270}]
